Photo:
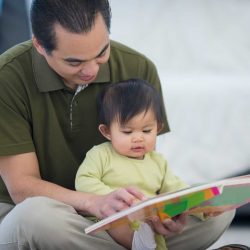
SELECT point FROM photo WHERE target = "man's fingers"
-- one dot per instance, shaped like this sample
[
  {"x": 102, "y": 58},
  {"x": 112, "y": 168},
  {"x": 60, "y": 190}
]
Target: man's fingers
[
  {"x": 129, "y": 195},
  {"x": 136, "y": 193},
  {"x": 119, "y": 199}
]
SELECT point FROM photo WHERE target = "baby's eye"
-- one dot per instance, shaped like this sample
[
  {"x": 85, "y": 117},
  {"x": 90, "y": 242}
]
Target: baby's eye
[
  {"x": 127, "y": 132},
  {"x": 147, "y": 131}
]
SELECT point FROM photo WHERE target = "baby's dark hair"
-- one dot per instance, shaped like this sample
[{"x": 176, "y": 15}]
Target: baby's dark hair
[{"x": 124, "y": 100}]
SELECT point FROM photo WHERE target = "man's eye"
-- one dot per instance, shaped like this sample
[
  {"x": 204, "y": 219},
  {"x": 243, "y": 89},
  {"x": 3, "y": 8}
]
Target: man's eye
[
  {"x": 74, "y": 64},
  {"x": 102, "y": 54}
]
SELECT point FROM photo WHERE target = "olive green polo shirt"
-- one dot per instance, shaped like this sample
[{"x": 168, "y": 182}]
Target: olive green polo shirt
[{"x": 40, "y": 114}]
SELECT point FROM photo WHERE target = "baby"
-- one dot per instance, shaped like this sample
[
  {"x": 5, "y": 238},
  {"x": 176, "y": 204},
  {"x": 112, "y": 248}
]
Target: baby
[{"x": 131, "y": 116}]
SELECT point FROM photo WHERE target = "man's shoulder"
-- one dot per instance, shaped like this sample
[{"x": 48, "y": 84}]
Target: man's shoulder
[
  {"x": 15, "y": 53},
  {"x": 126, "y": 63},
  {"x": 117, "y": 47},
  {"x": 120, "y": 51},
  {"x": 16, "y": 69}
]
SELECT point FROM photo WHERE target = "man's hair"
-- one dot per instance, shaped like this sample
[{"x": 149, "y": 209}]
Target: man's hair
[
  {"x": 123, "y": 100},
  {"x": 76, "y": 16}
]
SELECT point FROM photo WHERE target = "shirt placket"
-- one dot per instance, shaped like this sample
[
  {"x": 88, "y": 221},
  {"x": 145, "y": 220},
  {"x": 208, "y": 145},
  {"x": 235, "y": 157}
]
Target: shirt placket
[{"x": 73, "y": 103}]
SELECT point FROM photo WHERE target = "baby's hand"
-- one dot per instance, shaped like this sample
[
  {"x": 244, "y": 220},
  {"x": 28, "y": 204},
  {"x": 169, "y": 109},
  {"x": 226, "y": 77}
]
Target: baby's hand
[{"x": 212, "y": 214}]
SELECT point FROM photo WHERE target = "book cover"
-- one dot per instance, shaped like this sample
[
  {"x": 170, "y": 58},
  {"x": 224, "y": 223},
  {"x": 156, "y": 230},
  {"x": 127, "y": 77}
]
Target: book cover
[{"x": 212, "y": 197}]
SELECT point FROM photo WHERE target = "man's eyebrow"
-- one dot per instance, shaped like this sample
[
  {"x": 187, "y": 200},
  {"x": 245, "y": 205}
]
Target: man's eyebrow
[{"x": 72, "y": 59}]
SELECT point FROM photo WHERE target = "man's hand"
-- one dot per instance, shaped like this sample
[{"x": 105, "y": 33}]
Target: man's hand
[
  {"x": 105, "y": 205},
  {"x": 168, "y": 227}
]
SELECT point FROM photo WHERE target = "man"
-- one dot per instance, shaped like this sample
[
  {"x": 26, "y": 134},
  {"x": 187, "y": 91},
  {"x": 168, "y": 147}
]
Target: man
[{"x": 48, "y": 109}]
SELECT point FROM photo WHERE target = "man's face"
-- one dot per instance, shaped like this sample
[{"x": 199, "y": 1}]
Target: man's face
[{"x": 78, "y": 57}]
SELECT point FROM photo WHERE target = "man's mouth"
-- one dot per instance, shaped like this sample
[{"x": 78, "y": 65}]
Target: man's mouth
[{"x": 87, "y": 78}]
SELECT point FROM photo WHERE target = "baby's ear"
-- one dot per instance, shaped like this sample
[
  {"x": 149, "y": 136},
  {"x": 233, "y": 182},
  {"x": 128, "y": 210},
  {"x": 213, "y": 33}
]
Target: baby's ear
[
  {"x": 160, "y": 127},
  {"x": 104, "y": 131}
]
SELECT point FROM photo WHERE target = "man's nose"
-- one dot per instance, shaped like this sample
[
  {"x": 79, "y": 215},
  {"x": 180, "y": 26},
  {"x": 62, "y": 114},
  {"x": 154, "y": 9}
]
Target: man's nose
[{"x": 91, "y": 68}]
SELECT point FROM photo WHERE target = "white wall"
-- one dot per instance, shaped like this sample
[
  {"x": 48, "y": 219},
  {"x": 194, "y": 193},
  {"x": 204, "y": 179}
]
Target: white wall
[{"x": 187, "y": 35}]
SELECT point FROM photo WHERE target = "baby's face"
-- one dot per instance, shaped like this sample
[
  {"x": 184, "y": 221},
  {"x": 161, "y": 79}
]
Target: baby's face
[{"x": 135, "y": 138}]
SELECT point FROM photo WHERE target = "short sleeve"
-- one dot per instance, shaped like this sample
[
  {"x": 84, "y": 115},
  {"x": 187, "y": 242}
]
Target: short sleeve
[{"x": 15, "y": 127}]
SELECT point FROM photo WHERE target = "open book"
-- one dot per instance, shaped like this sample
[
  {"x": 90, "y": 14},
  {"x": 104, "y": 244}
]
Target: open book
[{"x": 218, "y": 196}]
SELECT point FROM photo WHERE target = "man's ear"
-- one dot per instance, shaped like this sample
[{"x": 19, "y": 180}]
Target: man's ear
[
  {"x": 38, "y": 46},
  {"x": 104, "y": 131}
]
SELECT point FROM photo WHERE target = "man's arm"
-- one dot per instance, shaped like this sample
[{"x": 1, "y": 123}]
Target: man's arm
[{"x": 22, "y": 177}]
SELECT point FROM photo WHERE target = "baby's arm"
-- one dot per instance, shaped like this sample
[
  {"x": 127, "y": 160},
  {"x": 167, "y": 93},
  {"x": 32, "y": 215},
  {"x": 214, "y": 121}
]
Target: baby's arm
[{"x": 90, "y": 173}]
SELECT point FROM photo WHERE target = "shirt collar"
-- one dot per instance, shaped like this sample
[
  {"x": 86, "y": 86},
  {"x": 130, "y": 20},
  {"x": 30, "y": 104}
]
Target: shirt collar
[{"x": 48, "y": 80}]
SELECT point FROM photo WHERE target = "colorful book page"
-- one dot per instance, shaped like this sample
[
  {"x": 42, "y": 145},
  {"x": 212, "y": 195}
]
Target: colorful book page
[
  {"x": 233, "y": 196},
  {"x": 172, "y": 208}
]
